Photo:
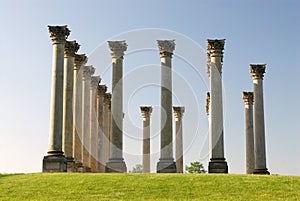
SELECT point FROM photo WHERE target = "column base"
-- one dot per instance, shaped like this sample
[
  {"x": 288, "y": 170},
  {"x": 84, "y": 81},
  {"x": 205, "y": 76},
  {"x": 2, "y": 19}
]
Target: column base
[
  {"x": 115, "y": 165},
  {"x": 218, "y": 165},
  {"x": 166, "y": 165},
  {"x": 261, "y": 171},
  {"x": 55, "y": 163},
  {"x": 78, "y": 167},
  {"x": 70, "y": 164}
]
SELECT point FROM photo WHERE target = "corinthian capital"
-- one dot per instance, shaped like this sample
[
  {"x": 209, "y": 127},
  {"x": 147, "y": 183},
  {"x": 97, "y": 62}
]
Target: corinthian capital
[
  {"x": 117, "y": 48},
  {"x": 166, "y": 47},
  {"x": 71, "y": 47},
  {"x": 248, "y": 97},
  {"x": 88, "y": 71},
  {"x": 95, "y": 80},
  {"x": 257, "y": 71},
  {"x": 107, "y": 98},
  {"x": 178, "y": 112},
  {"x": 80, "y": 59},
  {"x": 146, "y": 111},
  {"x": 101, "y": 89},
  {"x": 59, "y": 34},
  {"x": 215, "y": 47}
]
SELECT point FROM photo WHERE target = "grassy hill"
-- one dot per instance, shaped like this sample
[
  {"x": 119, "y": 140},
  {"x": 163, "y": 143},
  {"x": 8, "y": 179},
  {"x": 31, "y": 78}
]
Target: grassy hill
[{"x": 72, "y": 186}]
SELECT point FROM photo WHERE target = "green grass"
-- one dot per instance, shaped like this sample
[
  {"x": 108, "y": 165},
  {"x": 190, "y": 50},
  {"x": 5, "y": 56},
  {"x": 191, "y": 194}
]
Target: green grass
[{"x": 72, "y": 186}]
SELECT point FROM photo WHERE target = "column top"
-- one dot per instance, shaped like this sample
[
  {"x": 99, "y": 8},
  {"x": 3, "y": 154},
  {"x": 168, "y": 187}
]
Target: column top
[
  {"x": 257, "y": 70},
  {"x": 178, "y": 112},
  {"x": 207, "y": 102},
  {"x": 80, "y": 59},
  {"x": 59, "y": 34},
  {"x": 248, "y": 97},
  {"x": 71, "y": 47},
  {"x": 101, "y": 89},
  {"x": 95, "y": 80},
  {"x": 146, "y": 111},
  {"x": 166, "y": 47},
  {"x": 88, "y": 71},
  {"x": 117, "y": 48},
  {"x": 215, "y": 47},
  {"x": 107, "y": 98}
]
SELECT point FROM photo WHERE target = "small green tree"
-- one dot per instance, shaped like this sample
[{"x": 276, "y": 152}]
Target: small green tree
[
  {"x": 137, "y": 169},
  {"x": 195, "y": 168}
]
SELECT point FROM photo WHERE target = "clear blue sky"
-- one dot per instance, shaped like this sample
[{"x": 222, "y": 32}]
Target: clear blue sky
[{"x": 255, "y": 32}]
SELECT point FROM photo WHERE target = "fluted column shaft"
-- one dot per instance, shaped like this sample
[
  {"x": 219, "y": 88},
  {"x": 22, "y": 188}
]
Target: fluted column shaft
[
  {"x": 217, "y": 162},
  {"x": 55, "y": 153},
  {"x": 257, "y": 71},
  {"x": 166, "y": 162},
  {"x": 146, "y": 113},
  {"x": 248, "y": 99},
  {"x": 178, "y": 113}
]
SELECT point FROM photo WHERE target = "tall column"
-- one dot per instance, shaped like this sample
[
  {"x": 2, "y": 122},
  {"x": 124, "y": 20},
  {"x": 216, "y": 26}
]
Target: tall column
[
  {"x": 178, "y": 113},
  {"x": 106, "y": 125},
  {"x": 55, "y": 160},
  {"x": 116, "y": 162},
  {"x": 146, "y": 113},
  {"x": 88, "y": 71},
  {"x": 71, "y": 47},
  {"x": 166, "y": 162},
  {"x": 95, "y": 80},
  {"x": 248, "y": 99},
  {"x": 101, "y": 89},
  {"x": 80, "y": 60},
  {"x": 217, "y": 162},
  {"x": 257, "y": 71}
]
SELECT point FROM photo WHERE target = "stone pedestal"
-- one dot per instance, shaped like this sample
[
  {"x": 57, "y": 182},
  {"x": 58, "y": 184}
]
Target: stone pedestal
[
  {"x": 55, "y": 160},
  {"x": 257, "y": 71},
  {"x": 80, "y": 60},
  {"x": 217, "y": 162},
  {"x": 71, "y": 47},
  {"x": 146, "y": 113},
  {"x": 178, "y": 113},
  {"x": 248, "y": 99},
  {"x": 166, "y": 162},
  {"x": 116, "y": 162}
]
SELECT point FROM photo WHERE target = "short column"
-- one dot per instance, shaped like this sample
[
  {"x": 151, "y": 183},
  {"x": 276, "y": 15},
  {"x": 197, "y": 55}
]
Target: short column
[
  {"x": 166, "y": 163},
  {"x": 248, "y": 99},
  {"x": 95, "y": 80},
  {"x": 116, "y": 161},
  {"x": 257, "y": 71},
  {"x": 71, "y": 47},
  {"x": 217, "y": 162},
  {"x": 178, "y": 113},
  {"x": 88, "y": 71},
  {"x": 55, "y": 160},
  {"x": 101, "y": 89},
  {"x": 146, "y": 113},
  {"x": 80, "y": 60}
]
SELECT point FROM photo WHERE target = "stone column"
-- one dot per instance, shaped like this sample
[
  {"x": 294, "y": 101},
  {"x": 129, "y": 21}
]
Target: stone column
[
  {"x": 217, "y": 162},
  {"x": 55, "y": 160},
  {"x": 95, "y": 80},
  {"x": 248, "y": 99},
  {"x": 71, "y": 47},
  {"x": 88, "y": 71},
  {"x": 116, "y": 162},
  {"x": 101, "y": 89},
  {"x": 106, "y": 125},
  {"x": 80, "y": 60},
  {"x": 146, "y": 113},
  {"x": 257, "y": 71},
  {"x": 178, "y": 113},
  {"x": 166, "y": 162}
]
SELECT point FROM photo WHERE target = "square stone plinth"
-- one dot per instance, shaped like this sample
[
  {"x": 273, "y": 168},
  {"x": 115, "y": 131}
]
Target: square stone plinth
[
  {"x": 115, "y": 165},
  {"x": 166, "y": 166},
  {"x": 54, "y": 164},
  {"x": 218, "y": 166}
]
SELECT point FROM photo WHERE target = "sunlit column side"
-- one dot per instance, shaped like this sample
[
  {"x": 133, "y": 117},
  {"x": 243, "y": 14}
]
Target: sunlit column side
[
  {"x": 178, "y": 114},
  {"x": 95, "y": 80},
  {"x": 55, "y": 160},
  {"x": 166, "y": 162},
  {"x": 260, "y": 167},
  {"x": 101, "y": 89},
  {"x": 116, "y": 162},
  {"x": 88, "y": 71},
  {"x": 248, "y": 100},
  {"x": 80, "y": 60},
  {"x": 217, "y": 162},
  {"x": 146, "y": 114},
  {"x": 71, "y": 47}
]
